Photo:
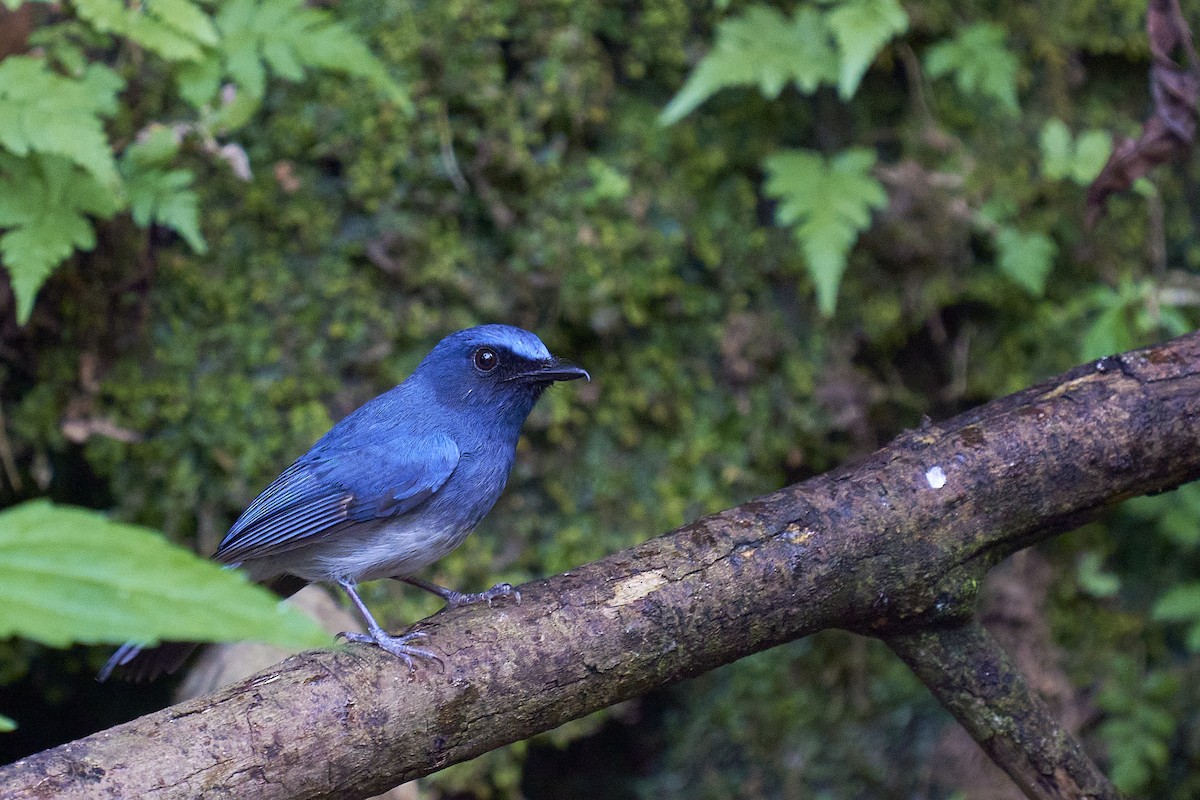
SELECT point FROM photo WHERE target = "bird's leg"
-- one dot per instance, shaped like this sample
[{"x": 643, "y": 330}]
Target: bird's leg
[
  {"x": 396, "y": 645},
  {"x": 455, "y": 599}
]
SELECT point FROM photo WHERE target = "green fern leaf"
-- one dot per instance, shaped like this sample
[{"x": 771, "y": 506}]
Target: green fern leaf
[
  {"x": 980, "y": 63},
  {"x": 41, "y": 112},
  {"x": 827, "y": 203},
  {"x": 764, "y": 48},
  {"x": 44, "y": 201},
  {"x": 106, "y": 16},
  {"x": 158, "y": 194},
  {"x": 861, "y": 28},
  {"x": 244, "y": 64},
  {"x": 1057, "y": 149},
  {"x": 187, "y": 18},
  {"x": 176, "y": 30},
  {"x": 1026, "y": 258},
  {"x": 285, "y": 37},
  {"x": 760, "y": 48},
  {"x": 1080, "y": 160},
  {"x": 199, "y": 81}
]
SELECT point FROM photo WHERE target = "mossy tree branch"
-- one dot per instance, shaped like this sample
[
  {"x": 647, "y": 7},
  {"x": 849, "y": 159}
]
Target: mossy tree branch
[
  {"x": 972, "y": 677},
  {"x": 895, "y": 546}
]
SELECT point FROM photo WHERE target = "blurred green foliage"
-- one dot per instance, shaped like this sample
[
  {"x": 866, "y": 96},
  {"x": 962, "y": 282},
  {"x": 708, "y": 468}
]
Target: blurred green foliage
[
  {"x": 763, "y": 728},
  {"x": 58, "y": 166},
  {"x": 535, "y": 184}
]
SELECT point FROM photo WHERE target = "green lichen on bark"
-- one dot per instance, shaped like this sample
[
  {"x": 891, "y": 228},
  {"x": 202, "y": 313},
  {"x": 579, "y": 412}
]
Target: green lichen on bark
[{"x": 973, "y": 678}]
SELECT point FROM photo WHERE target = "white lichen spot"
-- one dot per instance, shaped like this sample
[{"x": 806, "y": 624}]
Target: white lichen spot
[
  {"x": 936, "y": 477},
  {"x": 633, "y": 588}
]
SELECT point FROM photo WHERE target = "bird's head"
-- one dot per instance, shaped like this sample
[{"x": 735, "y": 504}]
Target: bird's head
[{"x": 495, "y": 366}]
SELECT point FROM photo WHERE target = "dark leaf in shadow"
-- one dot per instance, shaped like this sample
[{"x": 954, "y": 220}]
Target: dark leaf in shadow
[{"x": 1171, "y": 130}]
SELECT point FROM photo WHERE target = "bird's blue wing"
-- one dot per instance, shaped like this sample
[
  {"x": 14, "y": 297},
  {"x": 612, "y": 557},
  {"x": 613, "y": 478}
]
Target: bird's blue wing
[{"x": 324, "y": 491}]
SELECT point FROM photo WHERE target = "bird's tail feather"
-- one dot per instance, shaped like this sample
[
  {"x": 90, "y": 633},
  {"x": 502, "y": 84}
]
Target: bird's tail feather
[
  {"x": 133, "y": 663},
  {"x": 137, "y": 664}
]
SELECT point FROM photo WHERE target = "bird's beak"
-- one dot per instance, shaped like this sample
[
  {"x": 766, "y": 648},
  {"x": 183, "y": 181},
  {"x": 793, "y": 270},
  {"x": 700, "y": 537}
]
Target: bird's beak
[{"x": 552, "y": 369}]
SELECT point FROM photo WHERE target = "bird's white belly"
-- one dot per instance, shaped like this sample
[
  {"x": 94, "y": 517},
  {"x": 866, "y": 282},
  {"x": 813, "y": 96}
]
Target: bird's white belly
[
  {"x": 387, "y": 548},
  {"x": 368, "y": 551}
]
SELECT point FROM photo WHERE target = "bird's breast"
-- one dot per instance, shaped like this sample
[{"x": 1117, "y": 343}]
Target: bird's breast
[
  {"x": 402, "y": 545},
  {"x": 388, "y": 547}
]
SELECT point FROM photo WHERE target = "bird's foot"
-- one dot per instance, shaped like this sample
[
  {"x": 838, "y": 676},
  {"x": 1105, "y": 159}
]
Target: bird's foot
[
  {"x": 505, "y": 590},
  {"x": 396, "y": 645},
  {"x": 454, "y": 598}
]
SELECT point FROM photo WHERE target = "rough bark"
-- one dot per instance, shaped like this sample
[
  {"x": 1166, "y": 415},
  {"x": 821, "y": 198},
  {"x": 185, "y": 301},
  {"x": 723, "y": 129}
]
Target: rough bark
[
  {"x": 895, "y": 546},
  {"x": 1012, "y": 609},
  {"x": 972, "y": 677}
]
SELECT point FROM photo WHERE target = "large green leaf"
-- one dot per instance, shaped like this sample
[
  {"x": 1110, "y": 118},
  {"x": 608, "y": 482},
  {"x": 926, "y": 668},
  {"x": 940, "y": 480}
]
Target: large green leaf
[
  {"x": 71, "y": 575},
  {"x": 1181, "y": 604}
]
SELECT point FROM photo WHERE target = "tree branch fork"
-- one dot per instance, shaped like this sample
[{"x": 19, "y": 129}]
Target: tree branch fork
[{"x": 895, "y": 546}]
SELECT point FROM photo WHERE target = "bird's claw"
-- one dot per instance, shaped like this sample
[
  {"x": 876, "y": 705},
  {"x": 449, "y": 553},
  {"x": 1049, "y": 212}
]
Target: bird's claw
[
  {"x": 396, "y": 645},
  {"x": 355, "y": 636},
  {"x": 456, "y": 599},
  {"x": 502, "y": 590}
]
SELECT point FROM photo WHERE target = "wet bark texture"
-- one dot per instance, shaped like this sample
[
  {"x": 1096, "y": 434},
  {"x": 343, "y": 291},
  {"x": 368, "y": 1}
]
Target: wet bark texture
[
  {"x": 972, "y": 677},
  {"x": 895, "y": 546}
]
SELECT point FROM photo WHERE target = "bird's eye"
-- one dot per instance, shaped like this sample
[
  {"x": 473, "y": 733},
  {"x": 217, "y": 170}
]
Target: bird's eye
[{"x": 486, "y": 359}]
